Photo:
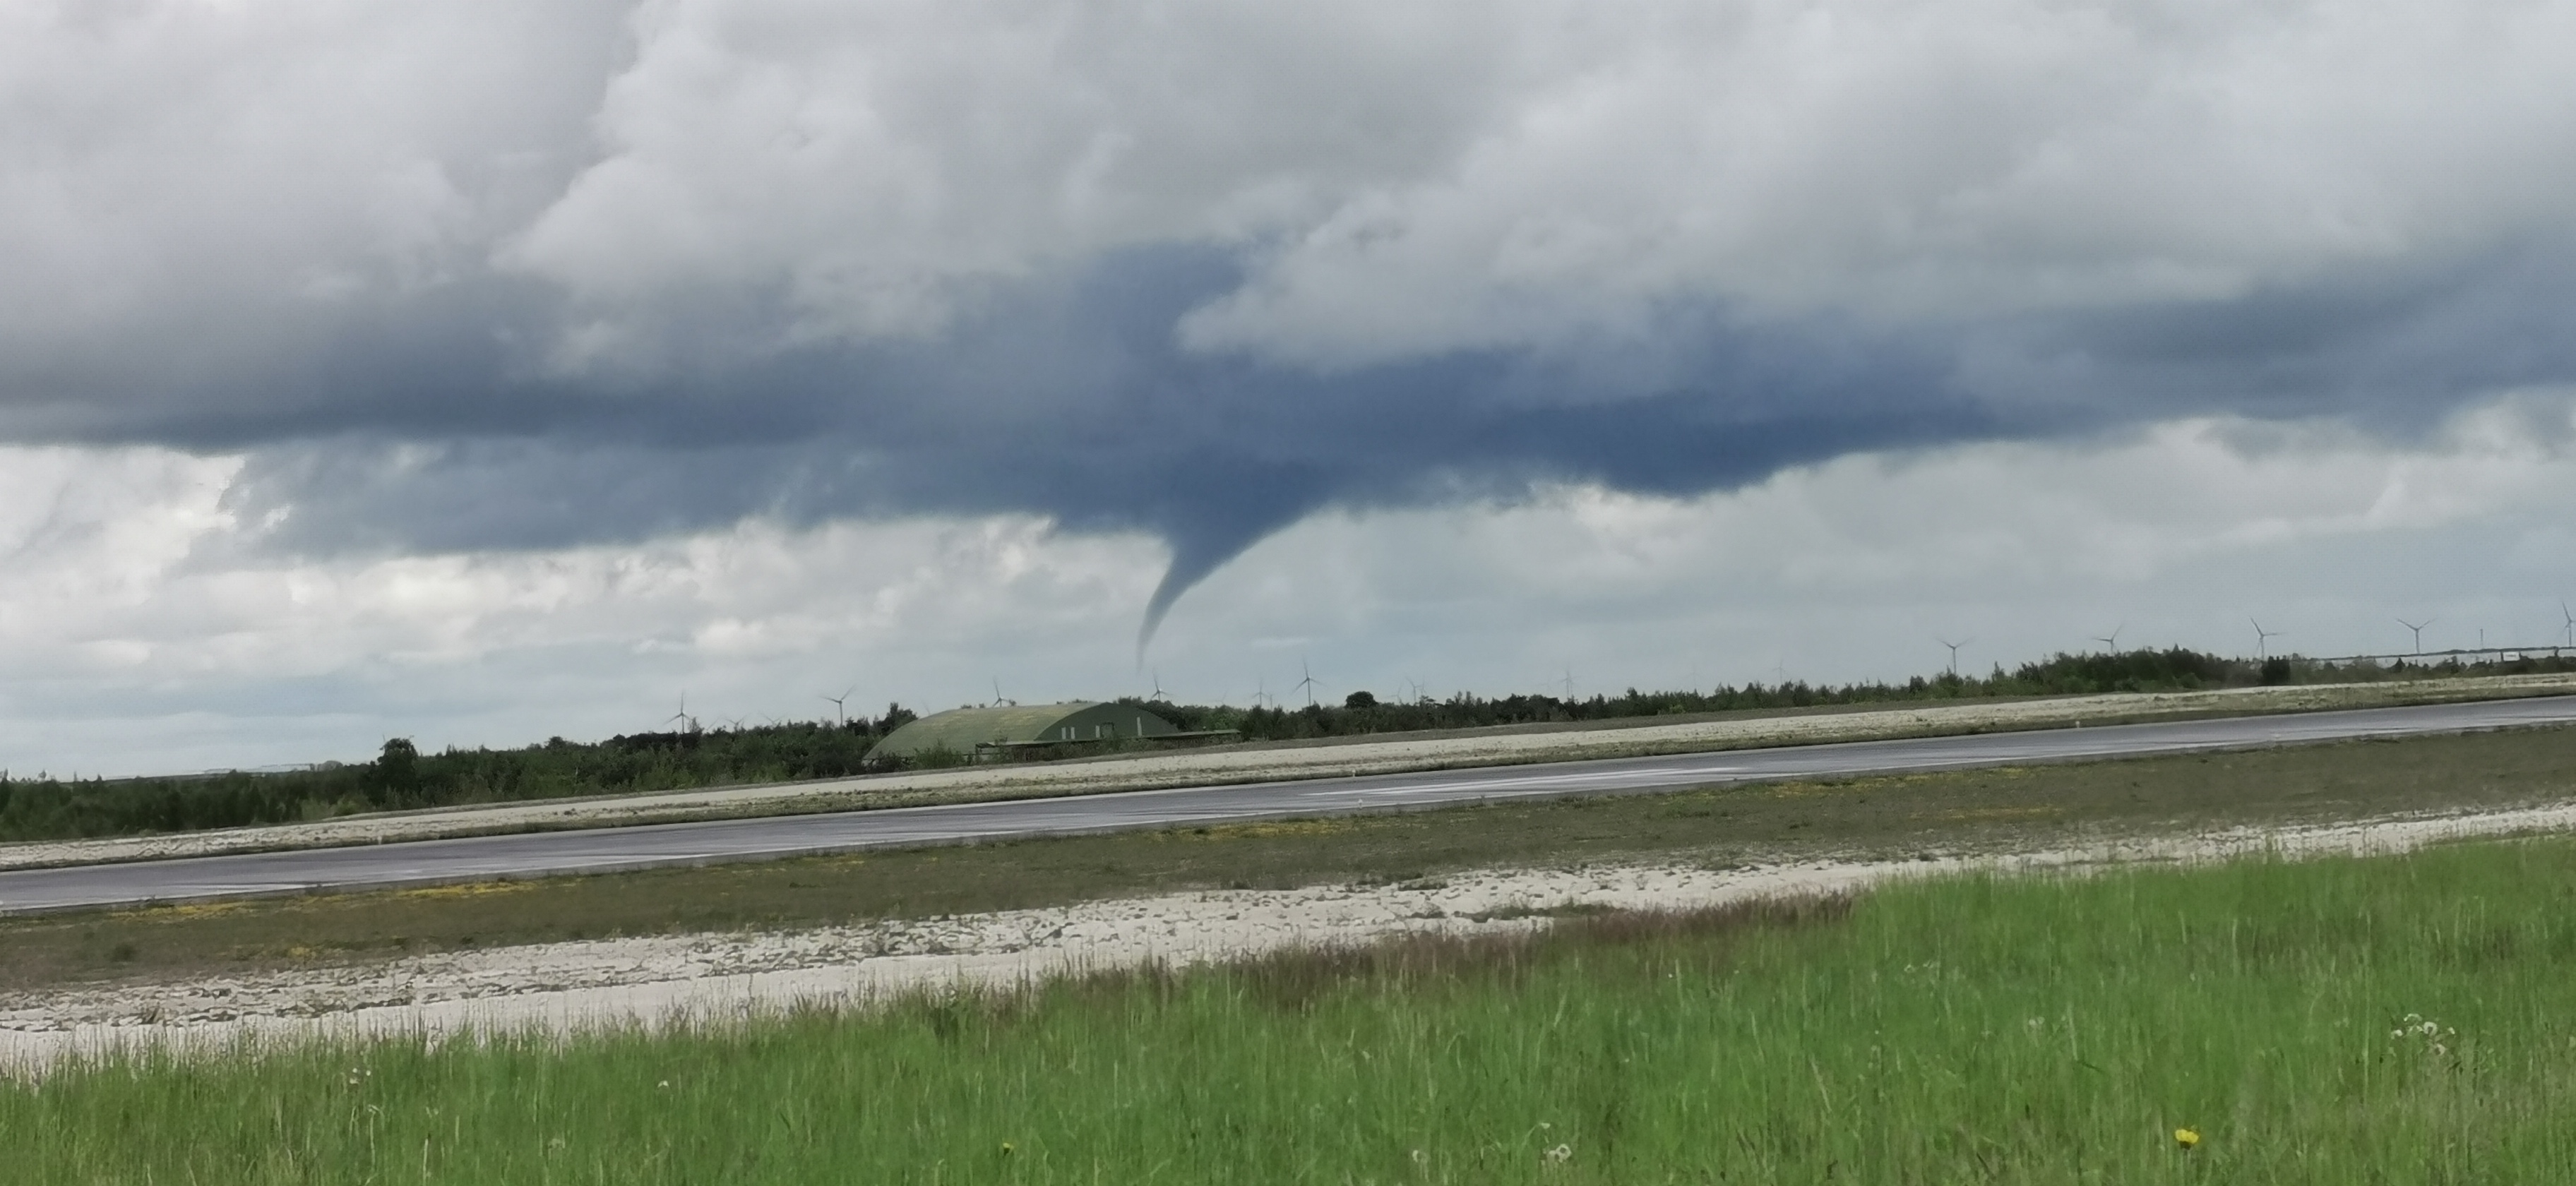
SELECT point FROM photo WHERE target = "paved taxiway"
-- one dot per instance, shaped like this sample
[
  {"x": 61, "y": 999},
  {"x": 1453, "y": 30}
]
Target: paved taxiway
[{"x": 535, "y": 854}]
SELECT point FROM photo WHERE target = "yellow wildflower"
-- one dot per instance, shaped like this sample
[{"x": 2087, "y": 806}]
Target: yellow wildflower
[{"x": 2188, "y": 1138}]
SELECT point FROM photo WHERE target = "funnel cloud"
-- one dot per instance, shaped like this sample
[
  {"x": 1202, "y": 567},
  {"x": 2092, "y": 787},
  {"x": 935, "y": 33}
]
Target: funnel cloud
[{"x": 1203, "y": 273}]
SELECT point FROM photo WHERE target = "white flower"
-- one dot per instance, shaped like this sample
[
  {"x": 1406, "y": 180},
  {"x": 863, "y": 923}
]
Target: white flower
[{"x": 1560, "y": 1155}]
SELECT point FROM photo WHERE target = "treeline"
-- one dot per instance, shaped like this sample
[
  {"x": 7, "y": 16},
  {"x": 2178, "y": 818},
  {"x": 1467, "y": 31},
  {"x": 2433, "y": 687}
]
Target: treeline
[
  {"x": 2174, "y": 669},
  {"x": 401, "y": 777},
  {"x": 43, "y": 808}
]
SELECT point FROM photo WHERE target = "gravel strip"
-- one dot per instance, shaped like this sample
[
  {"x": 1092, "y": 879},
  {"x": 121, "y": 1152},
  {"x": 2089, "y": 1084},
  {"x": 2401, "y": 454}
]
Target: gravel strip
[{"x": 566, "y": 988}]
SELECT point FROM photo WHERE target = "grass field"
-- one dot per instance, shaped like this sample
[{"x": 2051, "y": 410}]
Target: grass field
[
  {"x": 1861, "y": 818},
  {"x": 2404, "y": 1019}
]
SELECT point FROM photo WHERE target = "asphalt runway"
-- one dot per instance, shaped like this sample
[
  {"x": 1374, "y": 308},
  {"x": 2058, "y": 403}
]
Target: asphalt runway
[{"x": 599, "y": 850}]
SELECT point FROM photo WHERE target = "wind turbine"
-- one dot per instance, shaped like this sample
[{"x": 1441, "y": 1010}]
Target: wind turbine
[
  {"x": 2112, "y": 642},
  {"x": 840, "y": 706},
  {"x": 1569, "y": 683},
  {"x": 2418, "y": 628},
  {"x": 997, "y": 692},
  {"x": 1158, "y": 683},
  {"x": 2571, "y": 622},
  {"x": 1954, "y": 651},
  {"x": 2263, "y": 639},
  {"x": 1307, "y": 684},
  {"x": 688, "y": 724}
]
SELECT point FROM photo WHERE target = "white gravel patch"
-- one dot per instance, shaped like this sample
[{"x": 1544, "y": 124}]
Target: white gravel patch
[
  {"x": 568, "y": 988},
  {"x": 1199, "y": 767}
]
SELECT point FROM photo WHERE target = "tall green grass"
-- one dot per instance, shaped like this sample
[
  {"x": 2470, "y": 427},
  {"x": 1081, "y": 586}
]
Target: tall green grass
[{"x": 2346, "y": 1021}]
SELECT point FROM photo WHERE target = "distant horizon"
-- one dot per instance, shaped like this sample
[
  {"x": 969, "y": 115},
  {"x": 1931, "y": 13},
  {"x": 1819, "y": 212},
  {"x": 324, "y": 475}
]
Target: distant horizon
[
  {"x": 1999, "y": 668},
  {"x": 764, "y": 349}
]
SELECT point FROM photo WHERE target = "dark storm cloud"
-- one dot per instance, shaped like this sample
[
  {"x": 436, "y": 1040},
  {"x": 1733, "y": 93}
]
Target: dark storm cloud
[
  {"x": 473, "y": 278},
  {"x": 1073, "y": 402},
  {"x": 2396, "y": 348}
]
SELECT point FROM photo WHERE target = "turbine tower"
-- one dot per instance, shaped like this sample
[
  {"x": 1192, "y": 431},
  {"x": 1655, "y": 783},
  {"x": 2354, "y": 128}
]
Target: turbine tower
[
  {"x": 2418, "y": 629},
  {"x": 840, "y": 706},
  {"x": 1307, "y": 685},
  {"x": 1954, "y": 652}
]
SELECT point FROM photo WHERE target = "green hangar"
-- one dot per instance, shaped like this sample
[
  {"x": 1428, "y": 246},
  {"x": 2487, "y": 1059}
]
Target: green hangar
[{"x": 982, "y": 734}]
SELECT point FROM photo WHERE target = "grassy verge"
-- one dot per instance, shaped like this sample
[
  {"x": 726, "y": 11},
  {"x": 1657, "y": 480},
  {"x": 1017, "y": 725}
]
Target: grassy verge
[
  {"x": 2407, "y": 1019},
  {"x": 1872, "y": 817}
]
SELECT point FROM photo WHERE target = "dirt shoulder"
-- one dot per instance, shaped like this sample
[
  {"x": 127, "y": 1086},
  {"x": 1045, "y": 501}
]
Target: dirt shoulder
[
  {"x": 649, "y": 982},
  {"x": 1897, "y": 817},
  {"x": 1255, "y": 764}
]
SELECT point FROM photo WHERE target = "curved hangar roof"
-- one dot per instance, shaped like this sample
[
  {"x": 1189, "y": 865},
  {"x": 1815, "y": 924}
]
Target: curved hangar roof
[{"x": 965, "y": 731}]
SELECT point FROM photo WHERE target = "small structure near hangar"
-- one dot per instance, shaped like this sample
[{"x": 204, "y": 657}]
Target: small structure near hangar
[{"x": 985, "y": 734}]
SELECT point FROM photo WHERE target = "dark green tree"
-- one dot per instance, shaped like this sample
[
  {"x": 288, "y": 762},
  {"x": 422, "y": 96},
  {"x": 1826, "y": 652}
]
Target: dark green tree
[{"x": 397, "y": 773}]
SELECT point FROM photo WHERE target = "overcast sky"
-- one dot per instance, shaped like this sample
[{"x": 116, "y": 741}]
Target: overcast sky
[{"x": 492, "y": 369}]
